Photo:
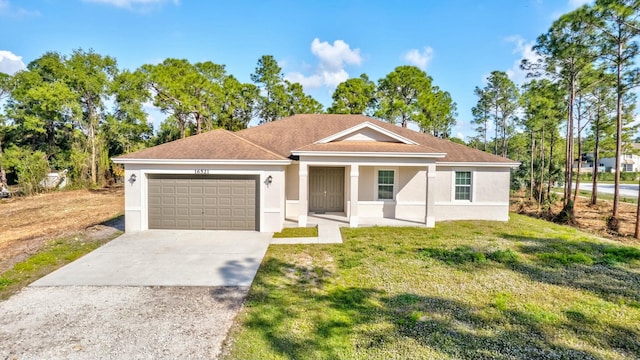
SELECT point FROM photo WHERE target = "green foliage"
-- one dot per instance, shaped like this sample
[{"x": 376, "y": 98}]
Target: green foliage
[
  {"x": 399, "y": 93},
  {"x": 30, "y": 166},
  {"x": 281, "y": 98},
  {"x": 353, "y": 96}
]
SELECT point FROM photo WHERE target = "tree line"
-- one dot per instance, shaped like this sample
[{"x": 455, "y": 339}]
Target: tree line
[
  {"x": 77, "y": 111},
  {"x": 577, "y": 106}
]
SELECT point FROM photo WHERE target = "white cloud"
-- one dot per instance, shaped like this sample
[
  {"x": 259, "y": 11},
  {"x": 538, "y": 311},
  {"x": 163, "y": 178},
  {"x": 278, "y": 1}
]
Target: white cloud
[
  {"x": 419, "y": 59},
  {"x": 134, "y": 4},
  {"x": 10, "y": 63},
  {"x": 332, "y": 60},
  {"x": 6, "y": 9},
  {"x": 523, "y": 48}
]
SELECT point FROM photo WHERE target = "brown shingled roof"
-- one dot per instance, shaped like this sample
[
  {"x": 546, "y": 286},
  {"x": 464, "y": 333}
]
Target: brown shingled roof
[
  {"x": 276, "y": 141},
  {"x": 215, "y": 145},
  {"x": 299, "y": 132}
]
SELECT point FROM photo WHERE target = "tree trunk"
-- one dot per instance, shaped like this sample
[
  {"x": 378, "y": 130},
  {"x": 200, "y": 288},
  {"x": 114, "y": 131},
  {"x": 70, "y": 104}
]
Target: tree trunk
[
  {"x": 531, "y": 178},
  {"x": 541, "y": 169},
  {"x": 485, "y": 132},
  {"x": 94, "y": 160},
  {"x": 636, "y": 234},
  {"x": 596, "y": 161},
  {"x": 549, "y": 184},
  {"x": 614, "y": 223},
  {"x": 577, "y": 190}
]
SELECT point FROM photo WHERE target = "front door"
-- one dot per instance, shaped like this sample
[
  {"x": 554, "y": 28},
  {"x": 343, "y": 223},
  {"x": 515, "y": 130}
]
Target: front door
[{"x": 326, "y": 189}]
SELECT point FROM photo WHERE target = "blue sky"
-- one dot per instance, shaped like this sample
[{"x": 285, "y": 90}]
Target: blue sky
[{"x": 317, "y": 43}]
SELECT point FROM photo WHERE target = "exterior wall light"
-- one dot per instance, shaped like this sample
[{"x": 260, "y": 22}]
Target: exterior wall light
[
  {"x": 132, "y": 179},
  {"x": 268, "y": 180}
]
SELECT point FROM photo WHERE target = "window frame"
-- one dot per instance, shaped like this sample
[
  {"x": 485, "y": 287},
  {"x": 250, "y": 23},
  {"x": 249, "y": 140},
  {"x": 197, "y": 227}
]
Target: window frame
[
  {"x": 393, "y": 186},
  {"x": 456, "y": 185}
]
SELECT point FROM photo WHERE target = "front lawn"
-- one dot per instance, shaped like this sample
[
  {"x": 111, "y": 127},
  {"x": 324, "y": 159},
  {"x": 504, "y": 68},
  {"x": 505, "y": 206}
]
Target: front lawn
[{"x": 519, "y": 290}]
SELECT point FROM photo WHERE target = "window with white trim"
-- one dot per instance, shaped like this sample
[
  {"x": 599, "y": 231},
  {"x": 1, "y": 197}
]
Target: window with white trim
[
  {"x": 386, "y": 184},
  {"x": 463, "y": 185}
]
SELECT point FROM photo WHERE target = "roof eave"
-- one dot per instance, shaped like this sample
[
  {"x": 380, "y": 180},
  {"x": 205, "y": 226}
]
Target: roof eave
[
  {"x": 370, "y": 154},
  {"x": 478, "y": 164}
]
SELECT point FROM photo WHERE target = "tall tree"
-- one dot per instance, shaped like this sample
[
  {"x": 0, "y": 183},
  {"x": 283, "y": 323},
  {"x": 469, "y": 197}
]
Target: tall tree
[
  {"x": 239, "y": 105},
  {"x": 353, "y": 96},
  {"x": 542, "y": 115},
  {"x": 501, "y": 98},
  {"x": 602, "y": 103},
  {"x": 399, "y": 93},
  {"x": 438, "y": 113},
  {"x": 268, "y": 75},
  {"x": 566, "y": 50},
  {"x": 481, "y": 115},
  {"x": 4, "y": 93},
  {"x": 90, "y": 78},
  {"x": 188, "y": 92},
  {"x": 280, "y": 97},
  {"x": 298, "y": 102},
  {"x": 618, "y": 22}
]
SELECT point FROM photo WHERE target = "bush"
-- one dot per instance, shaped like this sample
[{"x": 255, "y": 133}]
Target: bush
[{"x": 31, "y": 167}]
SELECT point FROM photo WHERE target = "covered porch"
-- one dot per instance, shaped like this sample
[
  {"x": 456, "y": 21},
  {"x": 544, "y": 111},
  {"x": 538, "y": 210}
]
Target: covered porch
[{"x": 388, "y": 191}]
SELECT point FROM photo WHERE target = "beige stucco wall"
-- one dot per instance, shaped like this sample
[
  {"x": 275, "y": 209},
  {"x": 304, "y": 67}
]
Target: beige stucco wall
[
  {"x": 272, "y": 197},
  {"x": 410, "y": 194},
  {"x": 489, "y": 194}
]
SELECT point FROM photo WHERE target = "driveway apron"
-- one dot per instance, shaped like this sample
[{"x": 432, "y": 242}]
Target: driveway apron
[{"x": 168, "y": 258}]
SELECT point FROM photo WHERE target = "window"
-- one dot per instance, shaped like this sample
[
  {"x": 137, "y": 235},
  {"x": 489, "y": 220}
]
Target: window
[
  {"x": 385, "y": 184},
  {"x": 463, "y": 185}
]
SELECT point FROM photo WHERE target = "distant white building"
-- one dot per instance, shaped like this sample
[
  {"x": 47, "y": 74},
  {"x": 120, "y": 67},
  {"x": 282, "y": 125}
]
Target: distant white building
[{"x": 629, "y": 160}]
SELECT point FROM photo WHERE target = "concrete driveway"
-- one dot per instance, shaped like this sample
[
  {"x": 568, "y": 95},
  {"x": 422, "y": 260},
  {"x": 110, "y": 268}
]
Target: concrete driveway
[
  {"x": 168, "y": 258},
  {"x": 147, "y": 295}
]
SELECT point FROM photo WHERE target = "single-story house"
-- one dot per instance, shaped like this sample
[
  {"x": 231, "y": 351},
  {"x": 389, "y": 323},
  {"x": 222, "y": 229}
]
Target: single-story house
[
  {"x": 629, "y": 160},
  {"x": 353, "y": 165}
]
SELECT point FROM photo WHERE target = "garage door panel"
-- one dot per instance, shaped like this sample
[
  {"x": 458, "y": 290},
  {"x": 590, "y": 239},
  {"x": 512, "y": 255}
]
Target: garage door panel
[{"x": 207, "y": 202}]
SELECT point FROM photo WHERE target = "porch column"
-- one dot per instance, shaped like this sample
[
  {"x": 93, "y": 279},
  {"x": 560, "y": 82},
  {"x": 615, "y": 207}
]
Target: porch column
[
  {"x": 353, "y": 198},
  {"x": 430, "y": 218},
  {"x": 303, "y": 183}
]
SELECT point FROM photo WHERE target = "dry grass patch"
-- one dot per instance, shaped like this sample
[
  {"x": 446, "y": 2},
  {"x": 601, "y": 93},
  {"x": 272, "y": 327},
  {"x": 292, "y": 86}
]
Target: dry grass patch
[
  {"x": 471, "y": 289},
  {"x": 29, "y": 222}
]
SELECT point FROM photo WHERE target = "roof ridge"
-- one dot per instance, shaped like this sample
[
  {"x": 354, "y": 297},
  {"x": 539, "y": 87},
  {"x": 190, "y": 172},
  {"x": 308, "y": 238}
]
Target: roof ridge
[{"x": 254, "y": 144}]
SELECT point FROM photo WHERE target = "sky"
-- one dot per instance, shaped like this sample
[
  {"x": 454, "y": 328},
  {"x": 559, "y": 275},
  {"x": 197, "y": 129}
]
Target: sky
[{"x": 317, "y": 43}]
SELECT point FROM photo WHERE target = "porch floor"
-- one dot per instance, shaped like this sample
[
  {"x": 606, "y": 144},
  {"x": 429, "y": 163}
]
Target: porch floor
[{"x": 340, "y": 219}]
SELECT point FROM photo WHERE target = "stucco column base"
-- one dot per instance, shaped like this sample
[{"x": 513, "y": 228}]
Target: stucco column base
[
  {"x": 430, "y": 221},
  {"x": 302, "y": 220}
]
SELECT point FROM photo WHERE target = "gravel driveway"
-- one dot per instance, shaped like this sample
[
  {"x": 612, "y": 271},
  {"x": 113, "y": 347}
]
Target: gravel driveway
[{"x": 117, "y": 322}]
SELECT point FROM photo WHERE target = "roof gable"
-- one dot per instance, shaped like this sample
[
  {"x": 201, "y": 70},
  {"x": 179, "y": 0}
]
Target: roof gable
[{"x": 366, "y": 131}]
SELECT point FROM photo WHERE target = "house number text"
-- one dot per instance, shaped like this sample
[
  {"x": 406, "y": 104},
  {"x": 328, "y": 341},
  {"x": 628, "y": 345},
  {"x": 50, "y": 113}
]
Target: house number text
[{"x": 202, "y": 171}]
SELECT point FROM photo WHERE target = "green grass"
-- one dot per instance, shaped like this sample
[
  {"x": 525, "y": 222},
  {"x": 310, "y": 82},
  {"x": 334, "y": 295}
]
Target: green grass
[
  {"x": 297, "y": 232},
  {"x": 54, "y": 255},
  {"x": 526, "y": 289}
]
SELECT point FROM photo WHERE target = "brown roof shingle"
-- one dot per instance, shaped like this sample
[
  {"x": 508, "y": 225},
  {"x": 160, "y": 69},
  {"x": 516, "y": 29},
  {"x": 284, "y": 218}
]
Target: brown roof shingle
[
  {"x": 299, "y": 132},
  {"x": 278, "y": 139},
  {"x": 212, "y": 145}
]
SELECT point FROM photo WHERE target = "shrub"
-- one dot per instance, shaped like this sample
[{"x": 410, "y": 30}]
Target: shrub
[{"x": 31, "y": 167}]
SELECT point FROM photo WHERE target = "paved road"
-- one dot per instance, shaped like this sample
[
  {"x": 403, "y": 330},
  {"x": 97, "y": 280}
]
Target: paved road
[{"x": 627, "y": 190}]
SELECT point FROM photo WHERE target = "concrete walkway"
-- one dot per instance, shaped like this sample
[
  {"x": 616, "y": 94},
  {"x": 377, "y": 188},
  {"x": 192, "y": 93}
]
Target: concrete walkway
[{"x": 168, "y": 258}]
